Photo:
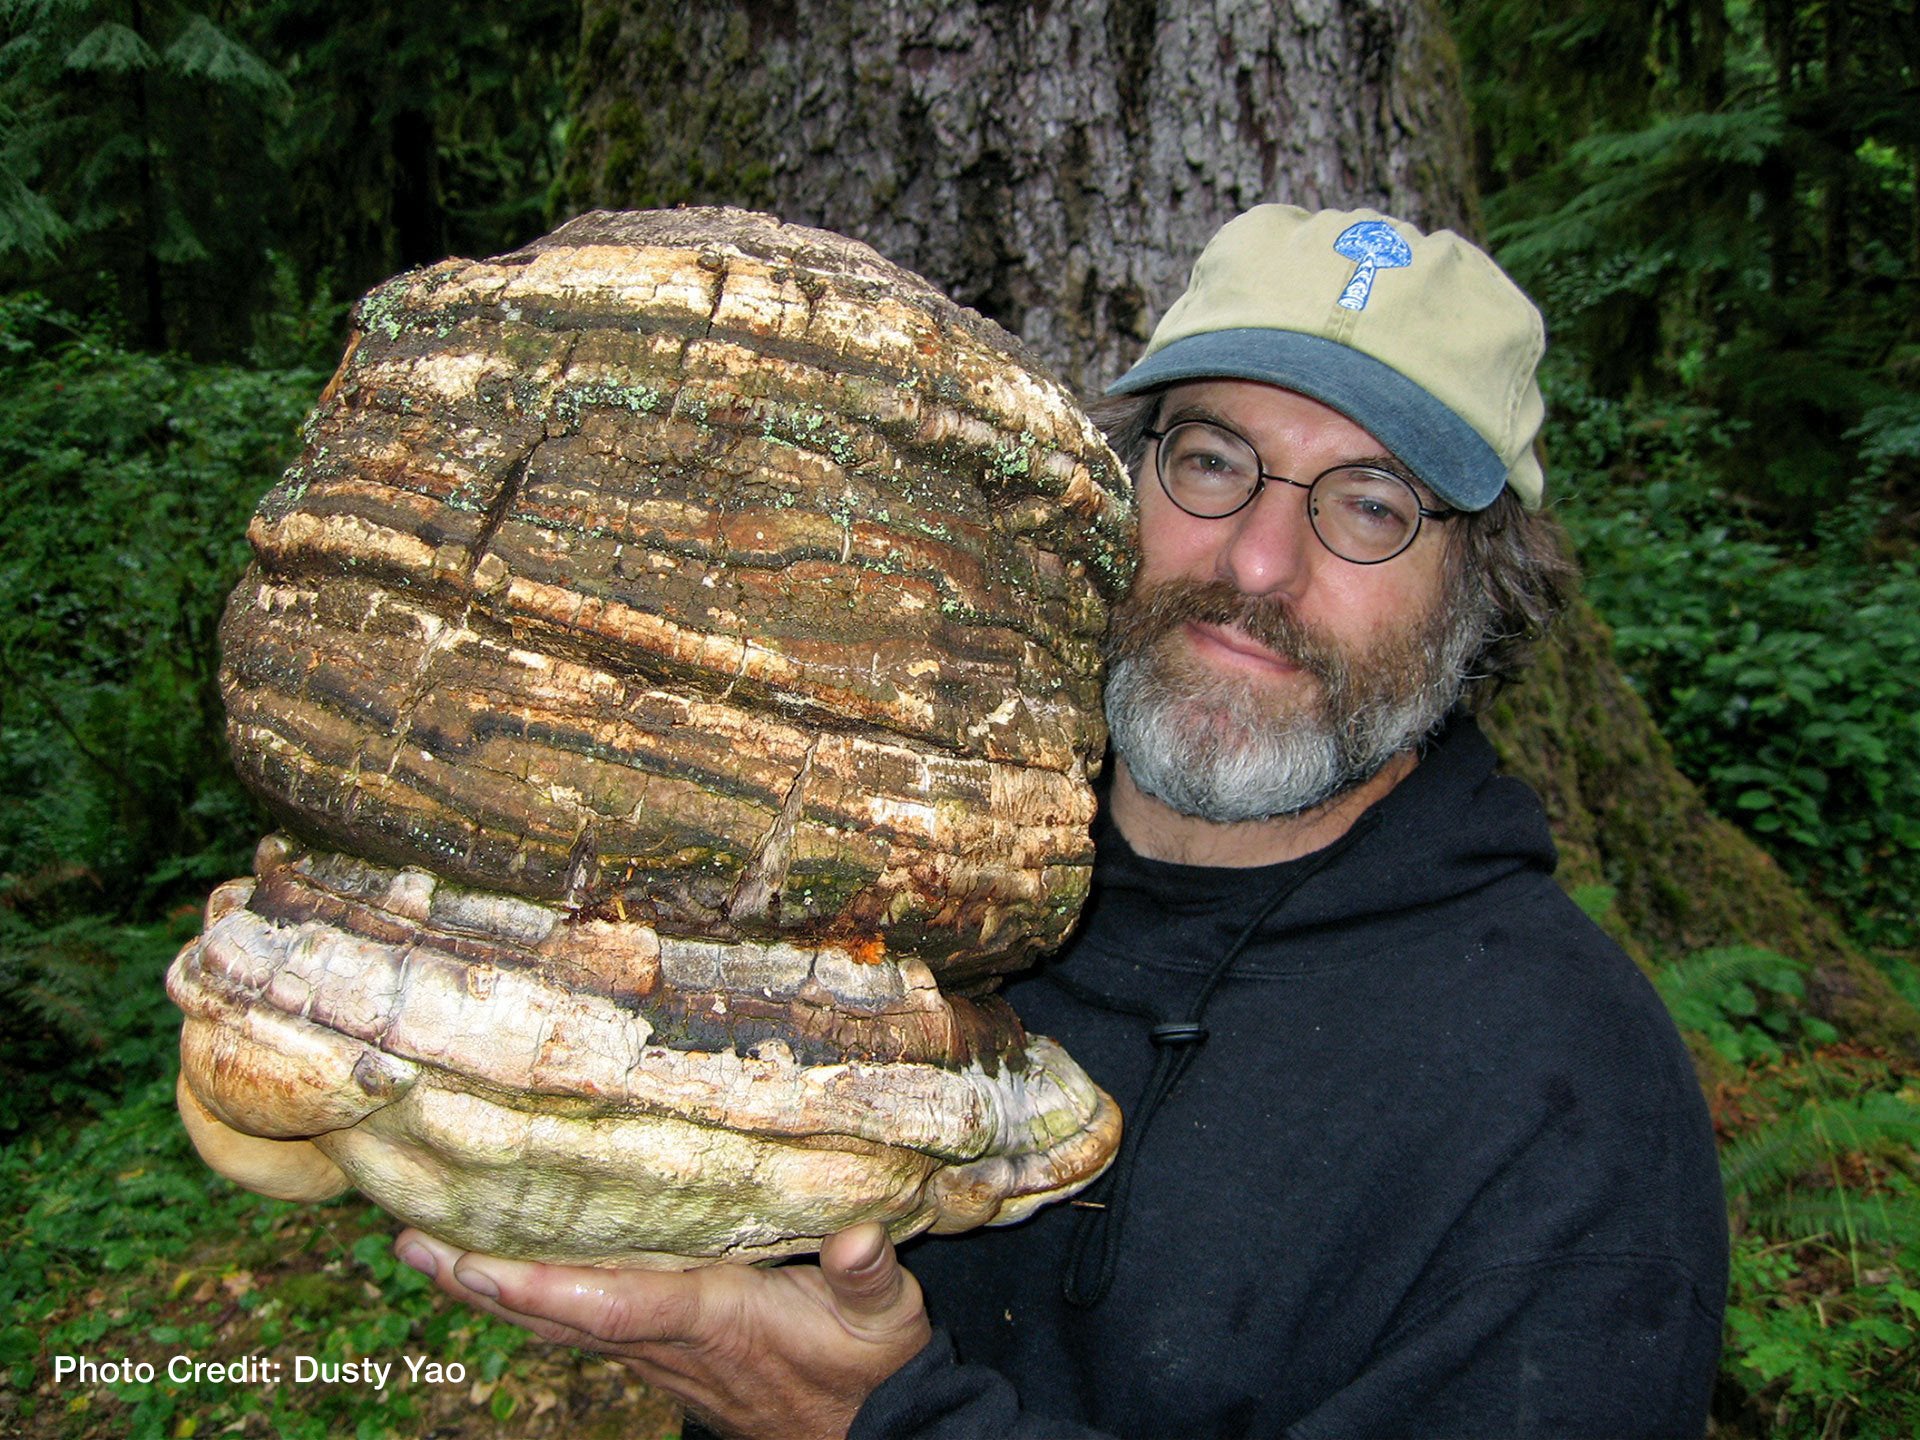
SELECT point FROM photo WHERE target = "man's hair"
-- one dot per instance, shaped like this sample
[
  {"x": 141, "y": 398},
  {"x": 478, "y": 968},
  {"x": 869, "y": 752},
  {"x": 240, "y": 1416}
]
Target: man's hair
[{"x": 1515, "y": 556}]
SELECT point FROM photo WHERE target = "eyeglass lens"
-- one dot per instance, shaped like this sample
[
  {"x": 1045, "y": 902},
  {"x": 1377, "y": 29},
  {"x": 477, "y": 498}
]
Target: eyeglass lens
[{"x": 1360, "y": 513}]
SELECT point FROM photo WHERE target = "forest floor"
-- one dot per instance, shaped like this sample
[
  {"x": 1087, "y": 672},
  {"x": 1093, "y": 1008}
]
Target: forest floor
[{"x": 301, "y": 1287}]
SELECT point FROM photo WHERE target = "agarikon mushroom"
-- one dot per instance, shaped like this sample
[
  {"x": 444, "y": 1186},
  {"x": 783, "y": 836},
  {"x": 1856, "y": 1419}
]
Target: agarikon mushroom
[{"x": 672, "y": 664}]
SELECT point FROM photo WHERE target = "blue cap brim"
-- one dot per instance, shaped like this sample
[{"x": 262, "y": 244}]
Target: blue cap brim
[{"x": 1425, "y": 435}]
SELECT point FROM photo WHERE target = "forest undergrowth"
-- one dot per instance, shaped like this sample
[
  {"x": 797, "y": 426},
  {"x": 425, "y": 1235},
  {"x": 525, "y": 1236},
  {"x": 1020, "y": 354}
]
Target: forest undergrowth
[
  {"x": 1784, "y": 676},
  {"x": 126, "y": 481}
]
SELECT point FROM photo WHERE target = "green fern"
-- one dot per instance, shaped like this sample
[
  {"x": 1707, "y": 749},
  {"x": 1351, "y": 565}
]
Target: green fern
[
  {"x": 1807, "y": 1139},
  {"x": 55, "y": 979},
  {"x": 1783, "y": 1181},
  {"x": 1843, "y": 1213},
  {"x": 1709, "y": 974},
  {"x": 1744, "y": 999},
  {"x": 82, "y": 1011}
]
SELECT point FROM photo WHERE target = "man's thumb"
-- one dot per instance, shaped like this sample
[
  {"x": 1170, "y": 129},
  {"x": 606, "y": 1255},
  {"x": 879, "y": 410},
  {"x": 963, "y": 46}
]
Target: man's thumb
[{"x": 864, "y": 1274}]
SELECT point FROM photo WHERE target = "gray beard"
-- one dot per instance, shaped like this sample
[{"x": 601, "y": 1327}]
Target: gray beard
[{"x": 1221, "y": 748}]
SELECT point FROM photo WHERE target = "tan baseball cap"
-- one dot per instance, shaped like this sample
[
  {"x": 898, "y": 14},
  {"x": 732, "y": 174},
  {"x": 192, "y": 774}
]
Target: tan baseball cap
[{"x": 1420, "y": 339}]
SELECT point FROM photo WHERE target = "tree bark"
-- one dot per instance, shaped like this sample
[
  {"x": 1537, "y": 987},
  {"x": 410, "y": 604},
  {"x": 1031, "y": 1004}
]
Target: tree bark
[
  {"x": 1054, "y": 166},
  {"x": 1836, "y": 201},
  {"x": 1058, "y": 167}
]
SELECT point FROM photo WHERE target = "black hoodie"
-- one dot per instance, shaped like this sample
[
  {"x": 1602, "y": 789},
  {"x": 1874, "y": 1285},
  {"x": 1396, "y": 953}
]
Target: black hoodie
[{"x": 1440, "y": 1167}]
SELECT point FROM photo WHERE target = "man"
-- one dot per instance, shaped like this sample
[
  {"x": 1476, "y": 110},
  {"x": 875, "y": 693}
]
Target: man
[{"x": 1412, "y": 1148}]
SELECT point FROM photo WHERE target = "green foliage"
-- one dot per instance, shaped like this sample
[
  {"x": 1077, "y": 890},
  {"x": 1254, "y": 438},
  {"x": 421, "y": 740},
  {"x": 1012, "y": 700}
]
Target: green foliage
[
  {"x": 1722, "y": 212},
  {"x": 416, "y": 131},
  {"x": 1786, "y": 676},
  {"x": 126, "y": 481},
  {"x": 1620, "y": 182},
  {"x": 1745, "y": 1001},
  {"x": 82, "y": 1012},
  {"x": 128, "y": 129},
  {"x": 1816, "y": 1363},
  {"x": 122, "y": 1206},
  {"x": 1823, "y": 1319},
  {"x": 1764, "y": 1171},
  {"x": 1823, "y": 1323},
  {"x": 162, "y": 162}
]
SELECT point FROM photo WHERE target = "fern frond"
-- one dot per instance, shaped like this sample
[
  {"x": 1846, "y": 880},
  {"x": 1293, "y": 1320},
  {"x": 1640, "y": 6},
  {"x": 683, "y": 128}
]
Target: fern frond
[
  {"x": 1757, "y": 1166},
  {"x": 57, "y": 977},
  {"x": 1846, "y": 1216},
  {"x": 1709, "y": 974}
]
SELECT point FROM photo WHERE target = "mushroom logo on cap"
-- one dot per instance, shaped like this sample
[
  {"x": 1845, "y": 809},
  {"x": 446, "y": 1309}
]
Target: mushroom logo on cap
[{"x": 1373, "y": 245}]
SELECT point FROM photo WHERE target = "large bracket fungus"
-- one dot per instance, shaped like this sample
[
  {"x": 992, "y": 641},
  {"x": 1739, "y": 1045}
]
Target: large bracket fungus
[{"x": 673, "y": 666}]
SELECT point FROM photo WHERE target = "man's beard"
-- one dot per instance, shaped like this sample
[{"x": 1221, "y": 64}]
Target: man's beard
[{"x": 1226, "y": 748}]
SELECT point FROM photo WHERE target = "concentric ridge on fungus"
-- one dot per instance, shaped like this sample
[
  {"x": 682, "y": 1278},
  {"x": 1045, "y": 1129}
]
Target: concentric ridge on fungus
[{"x": 673, "y": 662}]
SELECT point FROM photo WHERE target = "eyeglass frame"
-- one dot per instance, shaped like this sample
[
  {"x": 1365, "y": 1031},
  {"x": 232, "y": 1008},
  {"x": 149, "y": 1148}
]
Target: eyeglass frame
[{"x": 1261, "y": 475}]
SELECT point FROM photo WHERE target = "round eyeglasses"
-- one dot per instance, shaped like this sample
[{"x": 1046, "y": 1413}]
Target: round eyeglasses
[{"x": 1361, "y": 513}]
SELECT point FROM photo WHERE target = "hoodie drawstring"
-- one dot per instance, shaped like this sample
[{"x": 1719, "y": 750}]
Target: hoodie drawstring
[{"x": 1093, "y": 1253}]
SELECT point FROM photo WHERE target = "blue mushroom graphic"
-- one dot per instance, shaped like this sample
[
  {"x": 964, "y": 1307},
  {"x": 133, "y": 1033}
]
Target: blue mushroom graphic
[{"x": 1374, "y": 246}]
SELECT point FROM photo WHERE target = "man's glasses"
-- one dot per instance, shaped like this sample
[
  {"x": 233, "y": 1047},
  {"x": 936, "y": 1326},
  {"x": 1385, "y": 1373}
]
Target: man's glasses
[{"x": 1360, "y": 512}]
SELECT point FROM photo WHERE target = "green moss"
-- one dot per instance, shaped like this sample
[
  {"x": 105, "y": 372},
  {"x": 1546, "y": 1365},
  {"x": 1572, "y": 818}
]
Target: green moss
[
  {"x": 673, "y": 110},
  {"x": 1015, "y": 461},
  {"x": 821, "y": 888}
]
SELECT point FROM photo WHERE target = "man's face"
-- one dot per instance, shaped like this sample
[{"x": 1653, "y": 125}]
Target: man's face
[{"x": 1252, "y": 672}]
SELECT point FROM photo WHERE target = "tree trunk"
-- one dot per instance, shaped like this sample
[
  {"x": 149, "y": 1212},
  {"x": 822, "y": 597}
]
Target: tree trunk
[
  {"x": 1836, "y": 200},
  {"x": 1777, "y": 177},
  {"x": 1058, "y": 167},
  {"x": 1055, "y": 166},
  {"x": 153, "y": 329}
]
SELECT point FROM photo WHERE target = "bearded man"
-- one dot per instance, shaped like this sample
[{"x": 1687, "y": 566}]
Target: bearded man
[{"x": 1413, "y": 1149}]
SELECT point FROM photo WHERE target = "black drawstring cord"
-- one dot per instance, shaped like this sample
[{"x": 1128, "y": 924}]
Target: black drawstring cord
[{"x": 1176, "y": 1042}]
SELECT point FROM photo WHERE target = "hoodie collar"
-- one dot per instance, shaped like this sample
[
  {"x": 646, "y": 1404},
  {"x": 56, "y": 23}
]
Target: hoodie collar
[{"x": 1453, "y": 826}]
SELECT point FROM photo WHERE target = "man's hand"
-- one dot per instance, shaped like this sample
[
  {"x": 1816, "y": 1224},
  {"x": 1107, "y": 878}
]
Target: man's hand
[{"x": 787, "y": 1352}]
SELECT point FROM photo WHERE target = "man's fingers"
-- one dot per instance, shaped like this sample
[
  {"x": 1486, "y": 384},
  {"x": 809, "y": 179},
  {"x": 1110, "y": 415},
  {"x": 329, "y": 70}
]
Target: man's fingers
[
  {"x": 440, "y": 1261},
  {"x": 765, "y": 1352},
  {"x": 424, "y": 1253},
  {"x": 869, "y": 1287},
  {"x": 574, "y": 1304}
]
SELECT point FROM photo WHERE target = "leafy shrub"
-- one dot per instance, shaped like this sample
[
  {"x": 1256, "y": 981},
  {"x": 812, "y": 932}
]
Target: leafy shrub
[
  {"x": 1823, "y": 1321},
  {"x": 126, "y": 481},
  {"x": 83, "y": 1013},
  {"x": 1823, "y": 1316},
  {"x": 121, "y": 1207},
  {"x": 1787, "y": 678},
  {"x": 1819, "y": 1362},
  {"x": 1788, "y": 1179},
  {"x": 1745, "y": 1001}
]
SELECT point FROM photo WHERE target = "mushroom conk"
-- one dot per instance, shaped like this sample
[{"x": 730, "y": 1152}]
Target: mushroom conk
[{"x": 672, "y": 665}]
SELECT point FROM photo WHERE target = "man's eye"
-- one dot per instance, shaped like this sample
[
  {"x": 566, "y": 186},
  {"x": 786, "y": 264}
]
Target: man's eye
[
  {"x": 1366, "y": 499},
  {"x": 1377, "y": 511},
  {"x": 1198, "y": 458},
  {"x": 1205, "y": 463}
]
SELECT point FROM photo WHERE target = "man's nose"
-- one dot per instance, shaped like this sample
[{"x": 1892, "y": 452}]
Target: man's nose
[{"x": 1271, "y": 547}]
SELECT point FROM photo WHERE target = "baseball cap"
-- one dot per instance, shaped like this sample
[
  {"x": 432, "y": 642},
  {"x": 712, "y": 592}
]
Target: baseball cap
[{"x": 1420, "y": 339}]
